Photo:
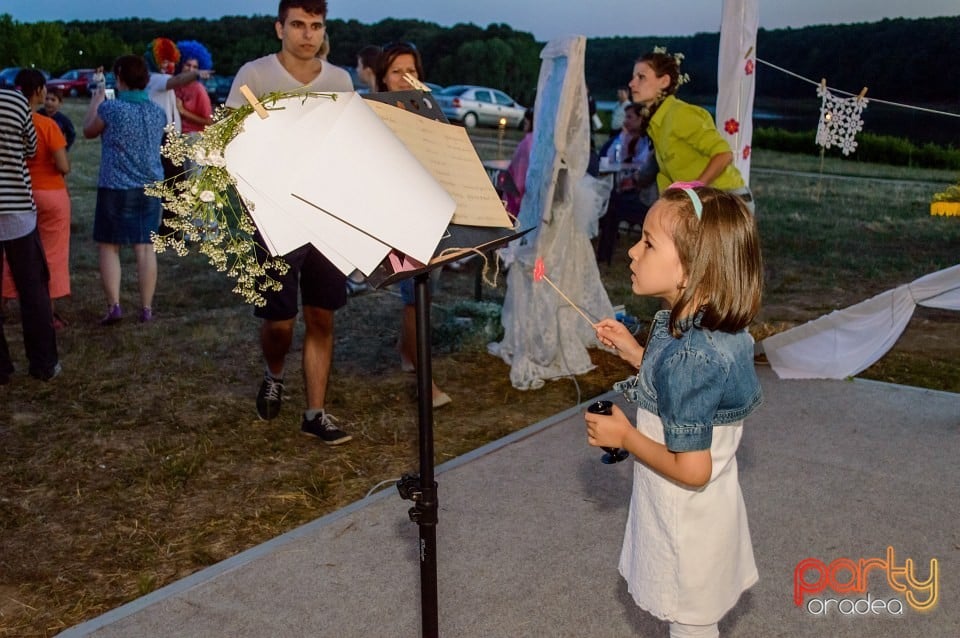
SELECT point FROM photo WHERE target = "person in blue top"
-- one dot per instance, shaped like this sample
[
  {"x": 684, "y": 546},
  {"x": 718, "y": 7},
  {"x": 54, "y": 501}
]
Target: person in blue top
[
  {"x": 131, "y": 130},
  {"x": 51, "y": 108},
  {"x": 686, "y": 553}
]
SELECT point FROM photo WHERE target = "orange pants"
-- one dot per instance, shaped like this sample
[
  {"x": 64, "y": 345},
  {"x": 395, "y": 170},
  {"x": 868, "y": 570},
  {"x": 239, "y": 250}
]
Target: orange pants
[{"x": 53, "y": 224}]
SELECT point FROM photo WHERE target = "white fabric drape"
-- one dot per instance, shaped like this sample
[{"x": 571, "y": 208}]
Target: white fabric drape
[
  {"x": 736, "y": 77},
  {"x": 544, "y": 337},
  {"x": 848, "y": 341}
]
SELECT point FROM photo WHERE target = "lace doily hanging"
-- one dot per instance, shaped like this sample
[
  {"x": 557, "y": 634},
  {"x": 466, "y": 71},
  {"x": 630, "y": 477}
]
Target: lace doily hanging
[{"x": 839, "y": 120}]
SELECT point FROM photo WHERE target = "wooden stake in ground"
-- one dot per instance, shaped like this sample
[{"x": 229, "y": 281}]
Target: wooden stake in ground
[{"x": 539, "y": 272}]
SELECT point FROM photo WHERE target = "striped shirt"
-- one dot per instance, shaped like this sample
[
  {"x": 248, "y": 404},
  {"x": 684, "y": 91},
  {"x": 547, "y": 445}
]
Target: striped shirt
[{"x": 18, "y": 140}]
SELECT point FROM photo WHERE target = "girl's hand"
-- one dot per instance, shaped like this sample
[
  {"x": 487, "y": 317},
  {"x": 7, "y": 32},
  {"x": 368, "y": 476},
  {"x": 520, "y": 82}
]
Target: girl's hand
[
  {"x": 614, "y": 334},
  {"x": 607, "y": 431}
]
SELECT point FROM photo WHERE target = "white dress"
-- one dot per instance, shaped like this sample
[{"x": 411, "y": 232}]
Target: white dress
[{"x": 686, "y": 552}]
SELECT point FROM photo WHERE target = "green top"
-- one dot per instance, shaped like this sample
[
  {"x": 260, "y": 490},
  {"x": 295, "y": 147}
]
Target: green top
[{"x": 684, "y": 139}]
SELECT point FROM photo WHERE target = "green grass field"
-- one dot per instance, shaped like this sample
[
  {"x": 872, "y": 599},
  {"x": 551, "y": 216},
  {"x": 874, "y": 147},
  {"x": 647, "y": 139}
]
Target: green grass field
[{"x": 145, "y": 462}]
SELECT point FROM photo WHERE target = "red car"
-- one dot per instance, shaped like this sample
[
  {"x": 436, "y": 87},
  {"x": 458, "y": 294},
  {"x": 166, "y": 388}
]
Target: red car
[{"x": 73, "y": 82}]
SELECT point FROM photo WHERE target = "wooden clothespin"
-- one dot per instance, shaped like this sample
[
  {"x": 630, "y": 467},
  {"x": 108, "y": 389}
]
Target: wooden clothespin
[
  {"x": 416, "y": 83},
  {"x": 863, "y": 93},
  {"x": 254, "y": 102},
  {"x": 749, "y": 52},
  {"x": 823, "y": 84}
]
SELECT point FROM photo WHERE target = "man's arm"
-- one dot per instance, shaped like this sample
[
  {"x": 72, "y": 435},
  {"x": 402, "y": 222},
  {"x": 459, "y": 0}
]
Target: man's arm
[{"x": 182, "y": 79}]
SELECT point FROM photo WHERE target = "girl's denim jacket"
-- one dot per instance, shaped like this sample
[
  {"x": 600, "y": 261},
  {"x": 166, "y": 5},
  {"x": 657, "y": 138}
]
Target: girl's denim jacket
[{"x": 704, "y": 378}]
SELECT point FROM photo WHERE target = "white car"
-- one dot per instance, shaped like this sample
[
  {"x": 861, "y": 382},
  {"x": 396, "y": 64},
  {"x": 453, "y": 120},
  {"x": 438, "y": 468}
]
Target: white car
[{"x": 479, "y": 106}]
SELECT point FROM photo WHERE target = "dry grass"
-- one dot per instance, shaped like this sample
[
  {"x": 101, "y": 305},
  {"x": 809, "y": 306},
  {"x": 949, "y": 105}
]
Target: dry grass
[{"x": 145, "y": 461}]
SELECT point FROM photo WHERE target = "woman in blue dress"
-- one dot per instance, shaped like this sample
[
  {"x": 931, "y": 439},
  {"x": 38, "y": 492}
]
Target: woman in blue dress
[{"x": 131, "y": 130}]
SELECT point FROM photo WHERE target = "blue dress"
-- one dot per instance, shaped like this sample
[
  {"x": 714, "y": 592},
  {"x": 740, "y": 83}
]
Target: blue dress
[{"x": 129, "y": 160}]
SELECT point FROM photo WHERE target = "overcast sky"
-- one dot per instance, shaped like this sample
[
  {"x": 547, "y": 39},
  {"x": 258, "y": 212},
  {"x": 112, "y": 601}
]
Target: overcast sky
[{"x": 546, "y": 19}]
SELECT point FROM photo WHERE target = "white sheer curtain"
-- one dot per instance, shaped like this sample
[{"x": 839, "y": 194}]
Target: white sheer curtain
[
  {"x": 544, "y": 337},
  {"x": 736, "y": 75},
  {"x": 848, "y": 341}
]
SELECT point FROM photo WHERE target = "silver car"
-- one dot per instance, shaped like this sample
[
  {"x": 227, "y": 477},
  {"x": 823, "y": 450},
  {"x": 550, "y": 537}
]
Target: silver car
[{"x": 479, "y": 105}]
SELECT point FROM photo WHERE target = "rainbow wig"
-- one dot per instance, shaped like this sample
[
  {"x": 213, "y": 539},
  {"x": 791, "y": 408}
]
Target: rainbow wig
[
  {"x": 193, "y": 50},
  {"x": 161, "y": 49}
]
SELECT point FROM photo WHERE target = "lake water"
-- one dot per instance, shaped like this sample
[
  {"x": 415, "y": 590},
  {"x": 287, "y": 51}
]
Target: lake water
[{"x": 881, "y": 119}]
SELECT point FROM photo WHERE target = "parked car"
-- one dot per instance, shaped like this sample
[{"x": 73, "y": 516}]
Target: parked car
[
  {"x": 9, "y": 75},
  {"x": 73, "y": 83},
  {"x": 218, "y": 88},
  {"x": 479, "y": 105},
  {"x": 109, "y": 82}
]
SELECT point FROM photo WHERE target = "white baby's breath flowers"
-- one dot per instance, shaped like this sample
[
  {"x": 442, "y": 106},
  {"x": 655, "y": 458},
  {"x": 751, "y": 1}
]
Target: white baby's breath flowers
[
  {"x": 682, "y": 78},
  {"x": 208, "y": 212}
]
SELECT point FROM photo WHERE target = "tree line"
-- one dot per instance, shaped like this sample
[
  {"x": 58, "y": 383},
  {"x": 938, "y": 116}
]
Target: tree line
[{"x": 908, "y": 60}]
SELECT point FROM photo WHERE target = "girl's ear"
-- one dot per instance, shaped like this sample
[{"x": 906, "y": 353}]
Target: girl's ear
[{"x": 663, "y": 81}]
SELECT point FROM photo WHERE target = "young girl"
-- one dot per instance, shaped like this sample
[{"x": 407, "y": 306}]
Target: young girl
[{"x": 686, "y": 552}]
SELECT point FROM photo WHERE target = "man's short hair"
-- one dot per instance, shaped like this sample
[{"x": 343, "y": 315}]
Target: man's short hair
[
  {"x": 313, "y": 7},
  {"x": 368, "y": 56}
]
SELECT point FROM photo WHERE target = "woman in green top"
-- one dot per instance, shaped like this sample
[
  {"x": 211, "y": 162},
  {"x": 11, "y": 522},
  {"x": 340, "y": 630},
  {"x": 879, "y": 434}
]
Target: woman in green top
[{"x": 688, "y": 146}]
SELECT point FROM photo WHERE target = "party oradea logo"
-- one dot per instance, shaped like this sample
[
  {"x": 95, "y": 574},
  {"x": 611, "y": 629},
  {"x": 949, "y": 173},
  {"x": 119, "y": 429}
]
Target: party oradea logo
[{"x": 855, "y": 587}]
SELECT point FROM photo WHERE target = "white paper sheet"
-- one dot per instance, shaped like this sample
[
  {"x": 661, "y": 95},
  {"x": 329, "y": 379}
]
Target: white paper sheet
[
  {"x": 288, "y": 220},
  {"x": 366, "y": 192},
  {"x": 372, "y": 182}
]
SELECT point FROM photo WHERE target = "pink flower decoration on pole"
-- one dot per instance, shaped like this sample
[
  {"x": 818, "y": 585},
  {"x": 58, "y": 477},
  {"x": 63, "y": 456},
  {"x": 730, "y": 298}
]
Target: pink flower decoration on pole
[
  {"x": 748, "y": 67},
  {"x": 539, "y": 272},
  {"x": 731, "y": 126},
  {"x": 746, "y": 152}
]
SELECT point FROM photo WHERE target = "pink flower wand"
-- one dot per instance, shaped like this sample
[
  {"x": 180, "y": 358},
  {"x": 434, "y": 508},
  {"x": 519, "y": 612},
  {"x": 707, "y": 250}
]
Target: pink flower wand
[{"x": 540, "y": 272}]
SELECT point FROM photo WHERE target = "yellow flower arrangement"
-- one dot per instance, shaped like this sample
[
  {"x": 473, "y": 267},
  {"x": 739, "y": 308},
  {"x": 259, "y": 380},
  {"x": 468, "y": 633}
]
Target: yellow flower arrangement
[{"x": 947, "y": 202}]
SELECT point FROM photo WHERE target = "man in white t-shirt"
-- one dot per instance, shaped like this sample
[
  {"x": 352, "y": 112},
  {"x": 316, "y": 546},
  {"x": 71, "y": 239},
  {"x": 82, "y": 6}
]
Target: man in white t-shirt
[
  {"x": 300, "y": 26},
  {"x": 296, "y": 65},
  {"x": 162, "y": 56}
]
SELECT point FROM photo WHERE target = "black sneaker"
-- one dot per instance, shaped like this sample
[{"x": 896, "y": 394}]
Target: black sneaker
[
  {"x": 48, "y": 374},
  {"x": 269, "y": 397},
  {"x": 322, "y": 426}
]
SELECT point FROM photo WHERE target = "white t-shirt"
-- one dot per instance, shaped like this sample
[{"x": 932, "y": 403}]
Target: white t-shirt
[
  {"x": 167, "y": 100},
  {"x": 267, "y": 75}
]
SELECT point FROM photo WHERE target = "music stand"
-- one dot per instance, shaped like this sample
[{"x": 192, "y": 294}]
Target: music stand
[{"x": 422, "y": 488}]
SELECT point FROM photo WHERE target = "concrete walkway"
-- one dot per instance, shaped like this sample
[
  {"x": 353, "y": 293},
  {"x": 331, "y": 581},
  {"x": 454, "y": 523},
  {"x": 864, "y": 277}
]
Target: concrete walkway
[{"x": 530, "y": 531}]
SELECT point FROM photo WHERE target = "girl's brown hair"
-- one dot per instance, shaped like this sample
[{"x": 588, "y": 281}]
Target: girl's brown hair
[
  {"x": 720, "y": 255},
  {"x": 664, "y": 64}
]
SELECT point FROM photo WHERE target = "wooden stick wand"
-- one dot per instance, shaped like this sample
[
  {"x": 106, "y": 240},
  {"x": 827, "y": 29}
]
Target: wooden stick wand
[{"x": 539, "y": 272}]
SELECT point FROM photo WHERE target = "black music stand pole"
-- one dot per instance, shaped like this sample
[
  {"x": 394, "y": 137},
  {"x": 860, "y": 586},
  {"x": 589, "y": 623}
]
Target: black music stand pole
[{"x": 422, "y": 490}]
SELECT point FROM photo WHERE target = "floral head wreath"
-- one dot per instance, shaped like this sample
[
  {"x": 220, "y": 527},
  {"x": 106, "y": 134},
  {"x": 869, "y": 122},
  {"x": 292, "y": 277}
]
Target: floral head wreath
[
  {"x": 193, "y": 50},
  {"x": 161, "y": 50},
  {"x": 682, "y": 78}
]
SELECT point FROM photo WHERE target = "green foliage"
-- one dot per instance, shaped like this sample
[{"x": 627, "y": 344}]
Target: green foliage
[
  {"x": 877, "y": 149},
  {"x": 39, "y": 45},
  {"x": 465, "y": 53},
  {"x": 507, "y": 59}
]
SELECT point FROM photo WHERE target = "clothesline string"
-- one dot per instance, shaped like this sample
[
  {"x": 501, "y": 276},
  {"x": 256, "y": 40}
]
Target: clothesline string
[{"x": 905, "y": 106}]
